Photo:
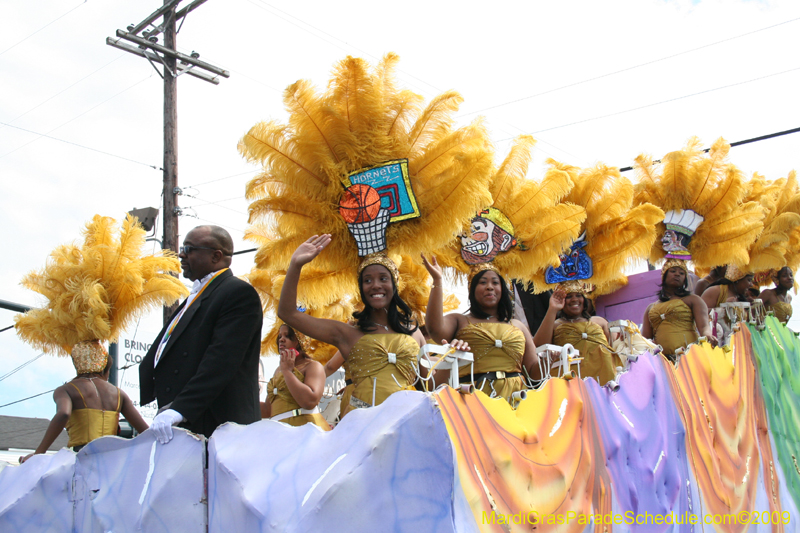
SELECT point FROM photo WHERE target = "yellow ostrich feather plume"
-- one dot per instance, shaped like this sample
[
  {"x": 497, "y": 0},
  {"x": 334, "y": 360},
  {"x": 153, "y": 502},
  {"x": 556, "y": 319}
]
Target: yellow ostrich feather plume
[
  {"x": 97, "y": 289},
  {"x": 780, "y": 201},
  {"x": 360, "y": 120},
  {"x": 618, "y": 234},
  {"x": 544, "y": 226},
  {"x": 710, "y": 186}
]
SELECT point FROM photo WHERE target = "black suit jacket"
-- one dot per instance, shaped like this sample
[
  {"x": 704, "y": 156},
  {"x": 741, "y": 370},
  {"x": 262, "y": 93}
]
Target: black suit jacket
[{"x": 209, "y": 367}]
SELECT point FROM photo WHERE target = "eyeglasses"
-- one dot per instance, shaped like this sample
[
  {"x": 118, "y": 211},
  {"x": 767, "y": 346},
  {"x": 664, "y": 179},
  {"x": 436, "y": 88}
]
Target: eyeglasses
[{"x": 186, "y": 250}]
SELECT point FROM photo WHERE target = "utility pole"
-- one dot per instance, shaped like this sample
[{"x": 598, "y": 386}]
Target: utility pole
[{"x": 173, "y": 64}]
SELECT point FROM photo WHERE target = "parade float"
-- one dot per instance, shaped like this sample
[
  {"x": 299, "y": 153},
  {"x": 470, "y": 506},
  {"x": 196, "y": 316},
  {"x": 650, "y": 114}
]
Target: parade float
[{"x": 707, "y": 444}]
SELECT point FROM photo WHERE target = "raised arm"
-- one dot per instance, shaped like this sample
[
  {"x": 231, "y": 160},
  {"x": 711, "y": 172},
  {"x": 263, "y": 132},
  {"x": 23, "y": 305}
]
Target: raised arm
[
  {"x": 330, "y": 331},
  {"x": 439, "y": 326},
  {"x": 57, "y": 424},
  {"x": 308, "y": 392},
  {"x": 544, "y": 335}
]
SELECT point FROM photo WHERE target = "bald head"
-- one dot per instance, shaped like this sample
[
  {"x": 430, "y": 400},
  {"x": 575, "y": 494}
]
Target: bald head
[
  {"x": 205, "y": 249},
  {"x": 218, "y": 238}
]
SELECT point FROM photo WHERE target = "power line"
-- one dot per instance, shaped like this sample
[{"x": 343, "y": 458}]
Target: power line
[
  {"x": 20, "y": 367},
  {"x": 28, "y": 398},
  {"x": 6, "y": 329},
  {"x": 216, "y": 204},
  {"x": 43, "y": 27},
  {"x": 78, "y": 145},
  {"x": 218, "y": 224},
  {"x": 661, "y": 102},
  {"x": 746, "y": 141},
  {"x": 335, "y": 38},
  {"x": 220, "y": 179},
  {"x": 65, "y": 89},
  {"x": 626, "y": 69},
  {"x": 76, "y": 117}
]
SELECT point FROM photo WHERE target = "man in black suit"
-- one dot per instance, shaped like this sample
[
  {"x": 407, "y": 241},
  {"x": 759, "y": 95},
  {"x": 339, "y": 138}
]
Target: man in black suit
[{"x": 203, "y": 366}]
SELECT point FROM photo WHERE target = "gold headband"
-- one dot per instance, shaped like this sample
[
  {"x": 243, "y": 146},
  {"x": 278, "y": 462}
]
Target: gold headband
[
  {"x": 474, "y": 270},
  {"x": 669, "y": 263},
  {"x": 380, "y": 258},
  {"x": 576, "y": 286},
  {"x": 734, "y": 273},
  {"x": 89, "y": 357}
]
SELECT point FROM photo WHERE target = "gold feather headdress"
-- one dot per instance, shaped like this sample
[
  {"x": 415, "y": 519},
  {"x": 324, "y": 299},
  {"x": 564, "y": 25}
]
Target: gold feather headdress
[
  {"x": 615, "y": 235},
  {"x": 774, "y": 249},
  {"x": 359, "y": 123},
  {"x": 705, "y": 194},
  {"x": 96, "y": 290},
  {"x": 524, "y": 229}
]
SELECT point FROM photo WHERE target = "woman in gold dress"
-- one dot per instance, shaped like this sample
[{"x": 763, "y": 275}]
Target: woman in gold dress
[
  {"x": 778, "y": 299},
  {"x": 294, "y": 392},
  {"x": 568, "y": 321},
  {"x": 381, "y": 349},
  {"x": 501, "y": 345},
  {"x": 88, "y": 406},
  {"x": 733, "y": 288},
  {"x": 673, "y": 321}
]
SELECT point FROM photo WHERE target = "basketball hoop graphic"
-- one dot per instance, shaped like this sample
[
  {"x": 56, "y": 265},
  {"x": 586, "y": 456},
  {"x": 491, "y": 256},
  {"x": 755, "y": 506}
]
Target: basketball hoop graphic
[{"x": 360, "y": 206}]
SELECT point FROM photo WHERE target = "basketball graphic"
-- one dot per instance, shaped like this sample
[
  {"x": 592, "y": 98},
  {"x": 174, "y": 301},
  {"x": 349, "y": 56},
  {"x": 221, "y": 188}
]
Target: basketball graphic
[{"x": 359, "y": 203}]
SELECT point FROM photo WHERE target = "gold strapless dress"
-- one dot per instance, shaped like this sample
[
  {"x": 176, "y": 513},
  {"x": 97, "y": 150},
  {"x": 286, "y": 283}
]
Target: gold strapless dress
[
  {"x": 380, "y": 364},
  {"x": 673, "y": 325},
  {"x": 782, "y": 310},
  {"x": 599, "y": 360},
  {"x": 496, "y": 347},
  {"x": 282, "y": 401}
]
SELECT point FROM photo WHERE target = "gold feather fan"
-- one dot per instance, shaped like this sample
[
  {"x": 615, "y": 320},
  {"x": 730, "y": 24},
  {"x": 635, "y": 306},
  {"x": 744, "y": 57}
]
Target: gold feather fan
[
  {"x": 360, "y": 121},
  {"x": 96, "y": 290},
  {"x": 711, "y": 187},
  {"x": 529, "y": 223},
  {"x": 774, "y": 249},
  {"x": 616, "y": 233}
]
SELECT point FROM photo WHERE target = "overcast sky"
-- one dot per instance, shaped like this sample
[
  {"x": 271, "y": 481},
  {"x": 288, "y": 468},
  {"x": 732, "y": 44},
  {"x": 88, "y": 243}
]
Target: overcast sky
[{"x": 592, "y": 81}]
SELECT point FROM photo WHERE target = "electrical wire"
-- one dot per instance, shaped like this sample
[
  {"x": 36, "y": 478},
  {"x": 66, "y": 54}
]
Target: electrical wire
[
  {"x": 217, "y": 204},
  {"x": 217, "y": 224},
  {"x": 28, "y": 398},
  {"x": 20, "y": 367},
  {"x": 65, "y": 89},
  {"x": 79, "y": 146},
  {"x": 335, "y": 38},
  {"x": 43, "y": 27},
  {"x": 220, "y": 179},
  {"x": 599, "y": 117},
  {"x": 739, "y": 143},
  {"x": 6, "y": 329},
  {"x": 626, "y": 69},
  {"x": 74, "y": 118}
]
